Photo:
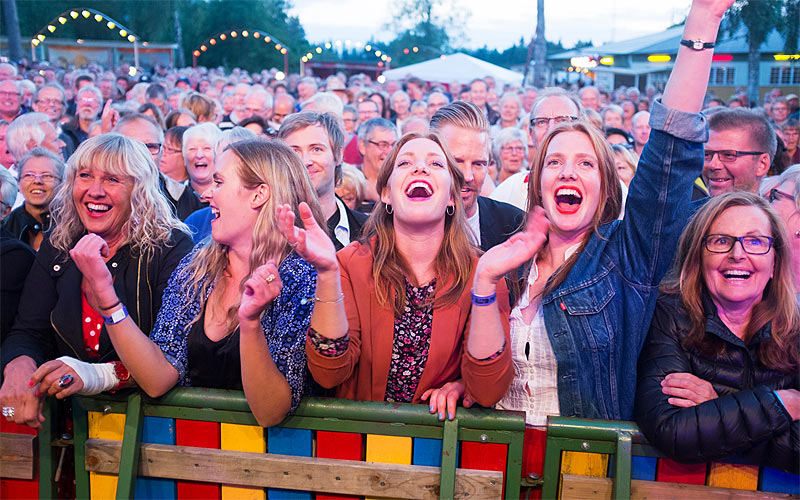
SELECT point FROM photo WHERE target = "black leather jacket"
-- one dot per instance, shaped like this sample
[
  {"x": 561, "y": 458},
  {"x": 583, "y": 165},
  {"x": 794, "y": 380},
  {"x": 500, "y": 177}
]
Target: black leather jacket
[
  {"x": 747, "y": 422},
  {"x": 48, "y": 323}
]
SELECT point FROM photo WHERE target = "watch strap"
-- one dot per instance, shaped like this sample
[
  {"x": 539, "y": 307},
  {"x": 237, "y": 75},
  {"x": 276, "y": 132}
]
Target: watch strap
[{"x": 697, "y": 44}]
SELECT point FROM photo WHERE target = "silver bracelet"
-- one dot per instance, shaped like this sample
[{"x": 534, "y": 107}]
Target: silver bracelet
[{"x": 340, "y": 299}]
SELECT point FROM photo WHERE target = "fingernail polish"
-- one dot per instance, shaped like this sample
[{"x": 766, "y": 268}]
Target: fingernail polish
[
  {"x": 441, "y": 416},
  {"x": 450, "y": 415},
  {"x": 433, "y": 410},
  {"x": 38, "y": 394},
  {"x": 30, "y": 383}
]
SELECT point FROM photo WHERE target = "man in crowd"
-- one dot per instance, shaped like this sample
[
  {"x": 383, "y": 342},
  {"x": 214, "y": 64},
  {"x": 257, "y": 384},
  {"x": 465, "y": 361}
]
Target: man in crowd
[
  {"x": 376, "y": 137},
  {"x": 319, "y": 141},
  {"x": 306, "y": 88},
  {"x": 88, "y": 104},
  {"x": 780, "y": 111},
  {"x": 367, "y": 110},
  {"x": 478, "y": 92},
  {"x": 553, "y": 106},
  {"x": 415, "y": 88},
  {"x": 51, "y": 100},
  {"x": 29, "y": 131},
  {"x": 7, "y": 72},
  {"x": 156, "y": 95},
  {"x": 590, "y": 98},
  {"x": 283, "y": 106},
  {"x": 740, "y": 148},
  {"x": 10, "y": 100},
  {"x": 641, "y": 130},
  {"x": 465, "y": 131},
  {"x": 435, "y": 102},
  {"x": 258, "y": 103}
]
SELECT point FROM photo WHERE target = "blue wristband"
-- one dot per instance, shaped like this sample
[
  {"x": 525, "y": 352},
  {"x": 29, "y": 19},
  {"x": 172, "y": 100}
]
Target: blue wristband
[
  {"x": 483, "y": 300},
  {"x": 117, "y": 317}
]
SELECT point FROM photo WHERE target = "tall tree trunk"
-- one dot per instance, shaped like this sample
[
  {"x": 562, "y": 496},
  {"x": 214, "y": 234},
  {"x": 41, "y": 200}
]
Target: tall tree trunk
[
  {"x": 539, "y": 47},
  {"x": 528, "y": 61},
  {"x": 178, "y": 35},
  {"x": 11, "y": 22},
  {"x": 753, "y": 56}
]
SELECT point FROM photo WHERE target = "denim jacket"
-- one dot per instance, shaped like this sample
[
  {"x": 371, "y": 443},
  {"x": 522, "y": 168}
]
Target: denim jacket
[{"x": 598, "y": 318}]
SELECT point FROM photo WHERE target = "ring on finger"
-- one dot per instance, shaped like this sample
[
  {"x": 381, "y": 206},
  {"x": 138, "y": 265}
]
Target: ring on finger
[
  {"x": 65, "y": 381},
  {"x": 270, "y": 278},
  {"x": 8, "y": 411}
]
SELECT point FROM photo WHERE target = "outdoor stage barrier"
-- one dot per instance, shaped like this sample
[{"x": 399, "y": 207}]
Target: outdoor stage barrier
[{"x": 205, "y": 443}]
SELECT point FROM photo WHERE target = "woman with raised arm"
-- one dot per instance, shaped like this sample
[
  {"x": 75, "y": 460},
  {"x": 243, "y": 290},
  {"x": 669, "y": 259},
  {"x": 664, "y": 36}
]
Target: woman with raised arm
[
  {"x": 236, "y": 309},
  {"x": 719, "y": 373},
  {"x": 393, "y": 312},
  {"x": 587, "y": 296}
]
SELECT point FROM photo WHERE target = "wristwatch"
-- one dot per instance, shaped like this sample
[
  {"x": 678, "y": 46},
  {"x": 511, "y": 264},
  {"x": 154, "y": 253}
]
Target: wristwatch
[
  {"x": 697, "y": 44},
  {"x": 116, "y": 317}
]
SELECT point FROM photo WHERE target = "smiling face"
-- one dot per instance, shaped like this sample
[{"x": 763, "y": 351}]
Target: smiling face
[
  {"x": 470, "y": 149},
  {"x": 743, "y": 173},
  {"x": 512, "y": 156},
  {"x": 419, "y": 186},
  {"x": 199, "y": 160},
  {"x": 50, "y": 102},
  {"x": 314, "y": 148},
  {"x": 736, "y": 279},
  {"x": 234, "y": 218},
  {"x": 570, "y": 183},
  {"x": 103, "y": 201},
  {"x": 38, "y": 180}
]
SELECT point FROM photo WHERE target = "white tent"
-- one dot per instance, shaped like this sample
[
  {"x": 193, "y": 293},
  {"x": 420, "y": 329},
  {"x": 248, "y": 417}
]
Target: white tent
[{"x": 458, "y": 66}]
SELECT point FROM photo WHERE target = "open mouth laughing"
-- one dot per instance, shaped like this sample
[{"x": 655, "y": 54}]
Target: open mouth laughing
[
  {"x": 568, "y": 199},
  {"x": 419, "y": 191}
]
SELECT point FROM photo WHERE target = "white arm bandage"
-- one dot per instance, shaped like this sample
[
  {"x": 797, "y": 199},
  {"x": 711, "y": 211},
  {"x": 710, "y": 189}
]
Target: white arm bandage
[{"x": 97, "y": 377}]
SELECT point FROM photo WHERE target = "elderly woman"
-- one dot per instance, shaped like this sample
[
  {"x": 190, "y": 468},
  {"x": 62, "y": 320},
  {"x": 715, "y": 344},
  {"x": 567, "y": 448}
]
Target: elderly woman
[
  {"x": 613, "y": 117},
  {"x": 510, "y": 109},
  {"x": 110, "y": 203},
  {"x": 784, "y": 197},
  {"x": 510, "y": 150},
  {"x": 718, "y": 375},
  {"x": 401, "y": 106},
  {"x": 392, "y": 317},
  {"x": 236, "y": 310},
  {"x": 40, "y": 173},
  {"x": 625, "y": 160},
  {"x": 588, "y": 293}
]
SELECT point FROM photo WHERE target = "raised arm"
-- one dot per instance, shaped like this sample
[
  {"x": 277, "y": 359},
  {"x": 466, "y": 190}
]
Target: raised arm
[{"x": 686, "y": 87}]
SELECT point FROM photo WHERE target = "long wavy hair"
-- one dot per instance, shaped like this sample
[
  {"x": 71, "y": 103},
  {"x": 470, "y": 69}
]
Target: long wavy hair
[
  {"x": 151, "y": 221},
  {"x": 778, "y": 304},
  {"x": 608, "y": 206},
  {"x": 453, "y": 263},
  {"x": 259, "y": 162}
]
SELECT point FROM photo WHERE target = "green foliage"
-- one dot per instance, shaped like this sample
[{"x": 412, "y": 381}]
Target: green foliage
[{"x": 517, "y": 54}]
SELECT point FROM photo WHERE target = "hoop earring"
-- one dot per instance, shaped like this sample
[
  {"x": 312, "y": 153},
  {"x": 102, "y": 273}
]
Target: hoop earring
[
  {"x": 451, "y": 210},
  {"x": 389, "y": 209}
]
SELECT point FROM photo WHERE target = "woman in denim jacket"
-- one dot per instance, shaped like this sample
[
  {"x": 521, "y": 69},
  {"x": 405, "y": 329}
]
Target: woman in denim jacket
[{"x": 592, "y": 281}]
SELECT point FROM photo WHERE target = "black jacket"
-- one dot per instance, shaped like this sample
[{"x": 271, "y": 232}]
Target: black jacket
[
  {"x": 16, "y": 259},
  {"x": 23, "y": 226},
  {"x": 747, "y": 420},
  {"x": 355, "y": 220},
  {"x": 48, "y": 323},
  {"x": 498, "y": 221}
]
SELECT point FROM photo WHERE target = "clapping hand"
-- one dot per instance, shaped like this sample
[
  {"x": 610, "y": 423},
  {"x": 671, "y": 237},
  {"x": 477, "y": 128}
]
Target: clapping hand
[
  {"x": 312, "y": 243},
  {"x": 262, "y": 287}
]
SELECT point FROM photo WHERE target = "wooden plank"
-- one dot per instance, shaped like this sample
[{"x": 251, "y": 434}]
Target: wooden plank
[
  {"x": 201, "y": 435},
  {"x": 287, "y": 441},
  {"x": 110, "y": 426},
  {"x": 286, "y": 472},
  {"x": 779, "y": 481},
  {"x": 388, "y": 449},
  {"x": 19, "y": 488},
  {"x": 238, "y": 437},
  {"x": 740, "y": 477},
  {"x": 599, "y": 488},
  {"x": 342, "y": 446},
  {"x": 670, "y": 471},
  {"x": 17, "y": 456},
  {"x": 161, "y": 431}
]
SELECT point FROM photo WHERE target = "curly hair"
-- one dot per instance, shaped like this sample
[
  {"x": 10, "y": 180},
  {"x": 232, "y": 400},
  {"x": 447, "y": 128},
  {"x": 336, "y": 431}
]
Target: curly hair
[{"x": 151, "y": 220}]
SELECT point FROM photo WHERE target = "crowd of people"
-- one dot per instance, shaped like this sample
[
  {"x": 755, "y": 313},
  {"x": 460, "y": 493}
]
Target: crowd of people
[{"x": 589, "y": 252}]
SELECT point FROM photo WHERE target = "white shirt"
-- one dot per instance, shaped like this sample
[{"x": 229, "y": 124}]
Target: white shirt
[
  {"x": 342, "y": 230},
  {"x": 475, "y": 224},
  {"x": 513, "y": 190}
]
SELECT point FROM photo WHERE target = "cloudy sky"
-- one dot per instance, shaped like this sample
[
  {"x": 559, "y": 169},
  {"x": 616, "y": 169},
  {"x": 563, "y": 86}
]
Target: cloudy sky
[{"x": 499, "y": 23}]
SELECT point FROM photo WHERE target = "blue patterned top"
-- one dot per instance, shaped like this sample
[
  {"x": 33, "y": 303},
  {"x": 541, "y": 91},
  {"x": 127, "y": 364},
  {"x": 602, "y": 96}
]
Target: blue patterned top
[{"x": 285, "y": 322}]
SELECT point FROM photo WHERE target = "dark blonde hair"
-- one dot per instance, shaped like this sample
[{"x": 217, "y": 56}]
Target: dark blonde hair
[
  {"x": 778, "y": 304},
  {"x": 453, "y": 263},
  {"x": 609, "y": 204}
]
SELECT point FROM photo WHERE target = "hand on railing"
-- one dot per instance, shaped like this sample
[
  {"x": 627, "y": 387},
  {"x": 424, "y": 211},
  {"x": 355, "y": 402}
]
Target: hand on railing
[
  {"x": 18, "y": 396},
  {"x": 446, "y": 397}
]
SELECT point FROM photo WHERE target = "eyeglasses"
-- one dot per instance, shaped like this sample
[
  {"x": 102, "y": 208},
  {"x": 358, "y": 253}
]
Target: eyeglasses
[
  {"x": 512, "y": 149},
  {"x": 775, "y": 195},
  {"x": 382, "y": 145},
  {"x": 545, "y": 122},
  {"x": 173, "y": 151},
  {"x": 9, "y": 94},
  {"x": 728, "y": 155},
  {"x": 723, "y": 243},
  {"x": 153, "y": 147},
  {"x": 49, "y": 102},
  {"x": 44, "y": 178}
]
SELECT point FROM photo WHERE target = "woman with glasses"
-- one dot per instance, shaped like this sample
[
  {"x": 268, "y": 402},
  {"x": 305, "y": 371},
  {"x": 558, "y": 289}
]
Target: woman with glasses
[
  {"x": 510, "y": 149},
  {"x": 718, "y": 375},
  {"x": 40, "y": 173},
  {"x": 785, "y": 199}
]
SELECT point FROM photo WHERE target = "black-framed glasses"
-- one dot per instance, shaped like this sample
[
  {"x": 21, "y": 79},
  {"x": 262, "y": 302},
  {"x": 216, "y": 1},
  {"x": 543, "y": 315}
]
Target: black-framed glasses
[
  {"x": 545, "y": 122},
  {"x": 383, "y": 145},
  {"x": 153, "y": 147},
  {"x": 728, "y": 155},
  {"x": 723, "y": 243},
  {"x": 775, "y": 194}
]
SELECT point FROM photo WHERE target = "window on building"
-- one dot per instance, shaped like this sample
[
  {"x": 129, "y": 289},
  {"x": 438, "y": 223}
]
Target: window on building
[{"x": 784, "y": 75}]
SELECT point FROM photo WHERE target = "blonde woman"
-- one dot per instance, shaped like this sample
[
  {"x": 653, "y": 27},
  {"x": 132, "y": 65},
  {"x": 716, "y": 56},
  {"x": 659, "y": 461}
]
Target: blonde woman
[
  {"x": 237, "y": 308},
  {"x": 109, "y": 206}
]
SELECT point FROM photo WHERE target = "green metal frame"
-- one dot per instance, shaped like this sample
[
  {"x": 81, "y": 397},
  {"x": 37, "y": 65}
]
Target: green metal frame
[
  {"x": 620, "y": 439},
  {"x": 327, "y": 414}
]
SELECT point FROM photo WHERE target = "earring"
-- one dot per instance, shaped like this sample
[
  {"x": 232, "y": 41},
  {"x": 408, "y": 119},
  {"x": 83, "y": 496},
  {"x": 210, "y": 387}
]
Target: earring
[
  {"x": 451, "y": 210},
  {"x": 389, "y": 209}
]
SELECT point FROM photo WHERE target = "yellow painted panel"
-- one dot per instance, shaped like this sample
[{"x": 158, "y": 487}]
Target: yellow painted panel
[
  {"x": 584, "y": 464},
  {"x": 111, "y": 426},
  {"x": 741, "y": 477},
  {"x": 242, "y": 438},
  {"x": 388, "y": 449}
]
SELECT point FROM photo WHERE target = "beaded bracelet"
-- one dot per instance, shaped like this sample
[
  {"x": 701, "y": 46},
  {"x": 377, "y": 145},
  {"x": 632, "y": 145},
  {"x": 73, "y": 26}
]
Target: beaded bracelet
[{"x": 483, "y": 300}]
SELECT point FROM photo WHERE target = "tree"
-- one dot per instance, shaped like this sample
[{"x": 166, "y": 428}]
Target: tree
[
  {"x": 760, "y": 17},
  {"x": 11, "y": 22},
  {"x": 434, "y": 26},
  {"x": 539, "y": 47}
]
